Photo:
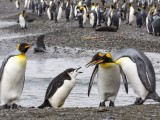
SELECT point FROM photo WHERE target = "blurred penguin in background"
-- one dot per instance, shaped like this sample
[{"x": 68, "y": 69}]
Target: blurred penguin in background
[
  {"x": 80, "y": 17},
  {"x": 68, "y": 10},
  {"x": 40, "y": 45},
  {"x": 139, "y": 17},
  {"x": 144, "y": 14},
  {"x": 17, "y": 4}
]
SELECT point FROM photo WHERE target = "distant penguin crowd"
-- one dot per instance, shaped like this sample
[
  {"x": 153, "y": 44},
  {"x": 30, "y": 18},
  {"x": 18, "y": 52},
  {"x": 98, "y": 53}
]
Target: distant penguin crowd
[{"x": 106, "y": 12}]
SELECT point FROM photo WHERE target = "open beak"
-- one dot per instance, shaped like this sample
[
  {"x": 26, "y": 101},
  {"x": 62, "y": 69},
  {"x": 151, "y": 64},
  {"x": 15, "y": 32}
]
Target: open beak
[{"x": 78, "y": 71}]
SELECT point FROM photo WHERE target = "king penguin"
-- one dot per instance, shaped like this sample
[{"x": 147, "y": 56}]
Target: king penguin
[
  {"x": 137, "y": 69},
  {"x": 108, "y": 78},
  {"x": 12, "y": 77},
  {"x": 131, "y": 14},
  {"x": 17, "y": 4},
  {"x": 22, "y": 20},
  {"x": 92, "y": 18},
  {"x": 59, "y": 13},
  {"x": 59, "y": 88}
]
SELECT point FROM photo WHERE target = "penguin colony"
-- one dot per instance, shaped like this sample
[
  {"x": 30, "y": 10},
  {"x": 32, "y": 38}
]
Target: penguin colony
[
  {"x": 133, "y": 65},
  {"x": 111, "y": 13}
]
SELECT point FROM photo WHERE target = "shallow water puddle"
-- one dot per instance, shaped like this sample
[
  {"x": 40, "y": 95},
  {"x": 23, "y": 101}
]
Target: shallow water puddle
[
  {"x": 6, "y": 24},
  {"x": 39, "y": 74}
]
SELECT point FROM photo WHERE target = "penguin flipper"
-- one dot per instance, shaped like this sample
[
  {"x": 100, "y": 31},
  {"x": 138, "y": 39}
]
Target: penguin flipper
[
  {"x": 3, "y": 65},
  {"x": 143, "y": 75},
  {"x": 53, "y": 88},
  {"x": 124, "y": 79},
  {"x": 92, "y": 79}
]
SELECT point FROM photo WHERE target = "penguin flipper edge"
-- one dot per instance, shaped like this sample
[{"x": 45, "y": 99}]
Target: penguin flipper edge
[{"x": 92, "y": 79}]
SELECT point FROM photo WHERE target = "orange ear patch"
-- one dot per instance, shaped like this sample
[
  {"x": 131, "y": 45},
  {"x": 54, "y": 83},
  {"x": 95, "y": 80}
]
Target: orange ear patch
[
  {"x": 108, "y": 55},
  {"x": 100, "y": 54}
]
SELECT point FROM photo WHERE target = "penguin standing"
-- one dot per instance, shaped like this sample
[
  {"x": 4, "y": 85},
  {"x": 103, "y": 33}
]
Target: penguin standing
[
  {"x": 149, "y": 21},
  {"x": 22, "y": 20},
  {"x": 124, "y": 9},
  {"x": 17, "y": 4},
  {"x": 39, "y": 8},
  {"x": 12, "y": 77},
  {"x": 59, "y": 14},
  {"x": 68, "y": 10},
  {"x": 93, "y": 6},
  {"x": 139, "y": 18},
  {"x": 92, "y": 15},
  {"x": 80, "y": 17},
  {"x": 97, "y": 9},
  {"x": 144, "y": 15},
  {"x": 137, "y": 70},
  {"x": 156, "y": 25},
  {"x": 26, "y": 4},
  {"x": 84, "y": 14},
  {"x": 59, "y": 88},
  {"x": 76, "y": 10},
  {"x": 131, "y": 14},
  {"x": 107, "y": 17},
  {"x": 33, "y": 5},
  {"x": 116, "y": 18},
  {"x": 108, "y": 78},
  {"x": 50, "y": 12}
]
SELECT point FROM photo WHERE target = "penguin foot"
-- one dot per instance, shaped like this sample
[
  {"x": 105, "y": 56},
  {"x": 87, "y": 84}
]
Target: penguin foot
[
  {"x": 139, "y": 101},
  {"x": 102, "y": 104},
  {"x": 14, "y": 106},
  {"x": 111, "y": 104},
  {"x": 6, "y": 106}
]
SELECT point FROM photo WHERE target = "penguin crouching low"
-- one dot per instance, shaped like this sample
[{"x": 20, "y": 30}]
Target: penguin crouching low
[{"x": 59, "y": 88}]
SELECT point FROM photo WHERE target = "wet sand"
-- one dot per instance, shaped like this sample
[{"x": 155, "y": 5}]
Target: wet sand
[{"x": 59, "y": 38}]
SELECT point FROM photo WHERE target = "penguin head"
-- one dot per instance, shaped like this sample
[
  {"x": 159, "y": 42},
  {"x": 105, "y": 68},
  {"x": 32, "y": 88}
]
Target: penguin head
[
  {"x": 97, "y": 57},
  {"x": 138, "y": 9},
  {"x": 81, "y": 9},
  {"x": 130, "y": 4},
  {"x": 23, "y": 47},
  {"x": 73, "y": 72},
  {"x": 143, "y": 7}
]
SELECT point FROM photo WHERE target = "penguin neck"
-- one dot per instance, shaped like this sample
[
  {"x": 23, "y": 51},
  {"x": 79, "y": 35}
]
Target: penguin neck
[{"x": 22, "y": 54}]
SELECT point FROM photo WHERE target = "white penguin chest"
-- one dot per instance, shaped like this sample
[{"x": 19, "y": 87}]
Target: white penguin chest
[
  {"x": 108, "y": 80},
  {"x": 131, "y": 72},
  {"x": 58, "y": 99},
  {"x": 92, "y": 19}
]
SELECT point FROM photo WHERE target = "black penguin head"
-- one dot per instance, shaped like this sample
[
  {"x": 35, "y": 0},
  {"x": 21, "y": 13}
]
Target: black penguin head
[
  {"x": 138, "y": 9},
  {"x": 72, "y": 72},
  {"x": 100, "y": 58},
  {"x": 130, "y": 4},
  {"x": 23, "y": 47}
]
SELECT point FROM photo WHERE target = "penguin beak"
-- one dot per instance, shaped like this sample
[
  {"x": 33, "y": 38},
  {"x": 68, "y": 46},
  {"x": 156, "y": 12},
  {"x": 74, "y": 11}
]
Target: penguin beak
[
  {"x": 28, "y": 46},
  {"x": 78, "y": 69},
  {"x": 91, "y": 63}
]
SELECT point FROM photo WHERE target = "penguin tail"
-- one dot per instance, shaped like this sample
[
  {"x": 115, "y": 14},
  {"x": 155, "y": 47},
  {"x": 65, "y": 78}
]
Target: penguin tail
[
  {"x": 45, "y": 104},
  {"x": 153, "y": 96}
]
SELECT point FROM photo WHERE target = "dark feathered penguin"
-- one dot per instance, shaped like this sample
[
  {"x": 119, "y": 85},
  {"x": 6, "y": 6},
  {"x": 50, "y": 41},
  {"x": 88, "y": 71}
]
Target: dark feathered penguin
[{"x": 39, "y": 45}]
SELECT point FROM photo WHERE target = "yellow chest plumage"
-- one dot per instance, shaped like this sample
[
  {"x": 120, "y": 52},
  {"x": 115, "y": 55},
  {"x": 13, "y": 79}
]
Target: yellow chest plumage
[
  {"x": 20, "y": 59},
  {"x": 107, "y": 65}
]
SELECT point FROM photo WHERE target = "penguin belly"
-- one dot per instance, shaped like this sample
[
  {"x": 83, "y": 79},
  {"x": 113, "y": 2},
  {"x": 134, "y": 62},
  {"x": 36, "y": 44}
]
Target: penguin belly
[
  {"x": 108, "y": 81},
  {"x": 12, "y": 80},
  {"x": 130, "y": 70},
  {"x": 59, "y": 13},
  {"x": 58, "y": 99},
  {"x": 49, "y": 13},
  {"x": 92, "y": 19},
  {"x": 131, "y": 15},
  {"x": 22, "y": 21}
]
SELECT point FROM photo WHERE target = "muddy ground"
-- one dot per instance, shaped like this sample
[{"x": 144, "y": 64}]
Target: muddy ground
[{"x": 65, "y": 39}]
